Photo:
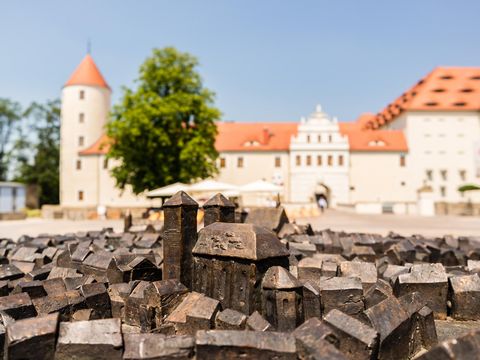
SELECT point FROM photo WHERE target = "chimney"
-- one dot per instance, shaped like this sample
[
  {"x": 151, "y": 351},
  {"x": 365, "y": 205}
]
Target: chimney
[{"x": 265, "y": 136}]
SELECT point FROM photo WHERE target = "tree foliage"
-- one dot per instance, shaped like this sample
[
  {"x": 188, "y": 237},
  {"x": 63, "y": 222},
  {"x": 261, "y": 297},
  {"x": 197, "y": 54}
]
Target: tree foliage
[
  {"x": 10, "y": 116},
  {"x": 164, "y": 130},
  {"x": 39, "y": 158}
]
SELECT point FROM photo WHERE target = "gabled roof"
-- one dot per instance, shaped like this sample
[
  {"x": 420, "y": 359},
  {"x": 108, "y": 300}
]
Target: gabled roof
[
  {"x": 444, "y": 89},
  {"x": 87, "y": 73},
  {"x": 99, "y": 147},
  {"x": 258, "y": 136},
  {"x": 376, "y": 140}
]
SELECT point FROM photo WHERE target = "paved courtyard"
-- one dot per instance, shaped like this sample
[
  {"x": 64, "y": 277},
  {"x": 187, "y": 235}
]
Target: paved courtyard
[{"x": 335, "y": 220}]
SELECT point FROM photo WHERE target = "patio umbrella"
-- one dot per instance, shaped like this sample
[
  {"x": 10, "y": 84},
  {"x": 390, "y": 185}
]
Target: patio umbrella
[
  {"x": 168, "y": 190},
  {"x": 260, "y": 186},
  {"x": 209, "y": 186}
]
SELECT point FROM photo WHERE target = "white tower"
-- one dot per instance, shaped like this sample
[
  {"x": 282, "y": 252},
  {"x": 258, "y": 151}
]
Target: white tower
[{"x": 84, "y": 113}]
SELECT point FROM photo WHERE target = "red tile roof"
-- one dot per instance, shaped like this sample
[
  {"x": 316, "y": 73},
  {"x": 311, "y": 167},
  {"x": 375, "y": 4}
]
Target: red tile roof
[
  {"x": 87, "y": 73},
  {"x": 256, "y": 136},
  {"x": 444, "y": 89},
  {"x": 100, "y": 147}
]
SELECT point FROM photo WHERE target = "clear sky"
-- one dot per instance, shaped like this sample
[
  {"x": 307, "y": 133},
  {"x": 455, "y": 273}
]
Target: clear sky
[{"x": 268, "y": 60}]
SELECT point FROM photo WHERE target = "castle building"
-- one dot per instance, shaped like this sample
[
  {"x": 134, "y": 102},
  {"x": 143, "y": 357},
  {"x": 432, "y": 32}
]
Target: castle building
[{"x": 409, "y": 158}]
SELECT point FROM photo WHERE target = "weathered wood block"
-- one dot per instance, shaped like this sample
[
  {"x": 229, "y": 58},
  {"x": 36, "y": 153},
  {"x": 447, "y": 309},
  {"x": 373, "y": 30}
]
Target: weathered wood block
[
  {"x": 179, "y": 237},
  {"x": 164, "y": 296},
  {"x": 430, "y": 280},
  {"x": 465, "y": 297},
  {"x": 426, "y": 328},
  {"x": 33, "y": 288},
  {"x": 367, "y": 272},
  {"x": 32, "y": 338},
  {"x": 392, "y": 322},
  {"x": 257, "y": 322},
  {"x": 311, "y": 301},
  {"x": 195, "y": 312},
  {"x": 137, "y": 311},
  {"x": 95, "y": 339},
  {"x": 10, "y": 272},
  {"x": 18, "y": 306},
  {"x": 344, "y": 294},
  {"x": 233, "y": 344},
  {"x": 310, "y": 269},
  {"x": 464, "y": 347},
  {"x": 97, "y": 299},
  {"x": 282, "y": 299},
  {"x": 218, "y": 209},
  {"x": 355, "y": 339},
  {"x": 270, "y": 218},
  {"x": 229, "y": 319},
  {"x": 380, "y": 291},
  {"x": 158, "y": 346}
]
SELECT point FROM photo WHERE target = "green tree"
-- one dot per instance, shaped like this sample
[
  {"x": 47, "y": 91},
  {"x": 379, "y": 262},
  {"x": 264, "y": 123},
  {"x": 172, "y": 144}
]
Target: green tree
[
  {"x": 38, "y": 158},
  {"x": 10, "y": 116},
  {"x": 164, "y": 130}
]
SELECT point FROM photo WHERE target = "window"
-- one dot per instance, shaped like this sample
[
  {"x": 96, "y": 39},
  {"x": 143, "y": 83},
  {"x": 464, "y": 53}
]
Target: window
[
  {"x": 330, "y": 160},
  {"x": 402, "y": 183},
  {"x": 340, "y": 160},
  {"x": 80, "y": 195},
  {"x": 240, "y": 162},
  {"x": 402, "y": 161},
  {"x": 429, "y": 174},
  {"x": 105, "y": 163},
  {"x": 319, "y": 160},
  {"x": 319, "y": 138},
  {"x": 298, "y": 160},
  {"x": 463, "y": 174},
  {"x": 308, "y": 138},
  {"x": 81, "y": 118},
  {"x": 79, "y": 165},
  {"x": 223, "y": 162},
  {"x": 443, "y": 174},
  {"x": 278, "y": 161},
  {"x": 309, "y": 160},
  {"x": 443, "y": 191},
  {"x": 81, "y": 140},
  {"x": 329, "y": 138},
  {"x": 82, "y": 94}
]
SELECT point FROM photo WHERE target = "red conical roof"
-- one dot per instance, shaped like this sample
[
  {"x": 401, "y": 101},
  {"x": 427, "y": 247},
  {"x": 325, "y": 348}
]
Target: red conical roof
[{"x": 87, "y": 73}]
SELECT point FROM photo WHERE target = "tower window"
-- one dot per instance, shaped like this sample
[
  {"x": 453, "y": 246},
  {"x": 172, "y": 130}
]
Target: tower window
[
  {"x": 319, "y": 138},
  {"x": 81, "y": 140},
  {"x": 329, "y": 138},
  {"x": 443, "y": 191},
  {"x": 79, "y": 165},
  {"x": 105, "y": 163},
  {"x": 278, "y": 161},
  {"x": 330, "y": 160},
  {"x": 340, "y": 160},
  {"x": 240, "y": 162},
  {"x": 308, "y": 138},
  {"x": 463, "y": 174},
  {"x": 81, "y": 118},
  {"x": 82, "y": 94},
  {"x": 402, "y": 161},
  {"x": 443, "y": 174},
  {"x": 429, "y": 175},
  {"x": 298, "y": 160},
  {"x": 319, "y": 160},
  {"x": 223, "y": 162},
  {"x": 80, "y": 195}
]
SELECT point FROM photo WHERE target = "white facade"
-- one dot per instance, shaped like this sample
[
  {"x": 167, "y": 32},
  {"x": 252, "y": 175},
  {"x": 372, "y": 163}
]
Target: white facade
[
  {"x": 319, "y": 161},
  {"x": 441, "y": 152}
]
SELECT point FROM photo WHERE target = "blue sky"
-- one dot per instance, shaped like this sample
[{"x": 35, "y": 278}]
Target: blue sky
[{"x": 269, "y": 60}]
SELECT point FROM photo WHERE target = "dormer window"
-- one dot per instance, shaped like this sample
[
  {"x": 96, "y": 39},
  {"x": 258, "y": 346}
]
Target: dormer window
[
  {"x": 431, "y": 103},
  {"x": 460, "y": 104},
  {"x": 376, "y": 143},
  {"x": 475, "y": 77},
  {"x": 466, "y": 90},
  {"x": 438, "y": 90},
  {"x": 251, "y": 143},
  {"x": 446, "y": 77}
]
